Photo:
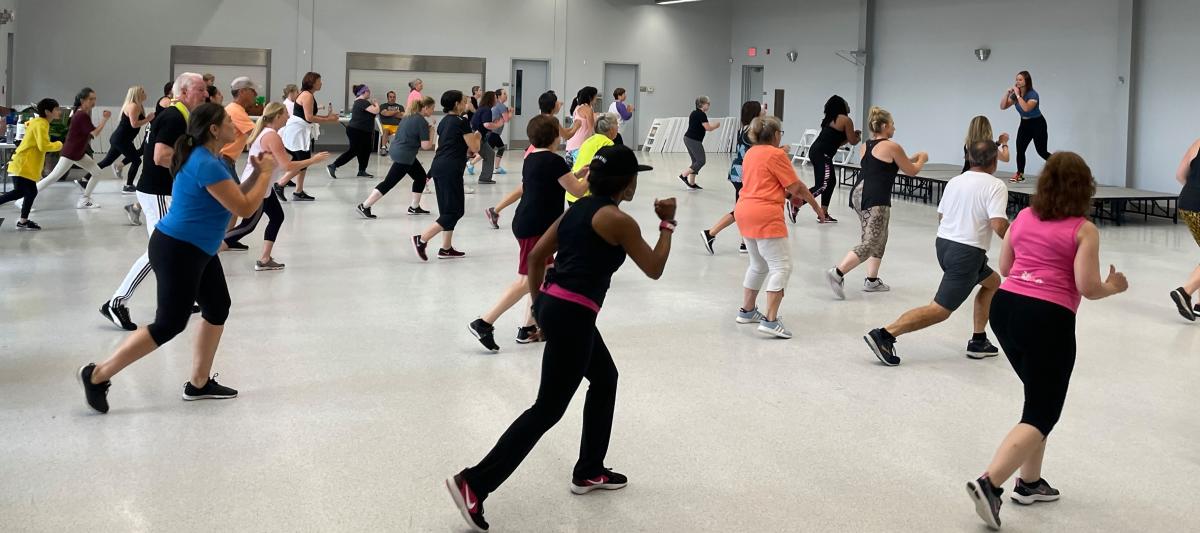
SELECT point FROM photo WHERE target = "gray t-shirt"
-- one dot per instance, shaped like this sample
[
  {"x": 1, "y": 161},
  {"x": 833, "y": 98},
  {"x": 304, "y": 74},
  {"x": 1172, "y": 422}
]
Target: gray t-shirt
[
  {"x": 407, "y": 141},
  {"x": 497, "y": 113},
  {"x": 393, "y": 120}
]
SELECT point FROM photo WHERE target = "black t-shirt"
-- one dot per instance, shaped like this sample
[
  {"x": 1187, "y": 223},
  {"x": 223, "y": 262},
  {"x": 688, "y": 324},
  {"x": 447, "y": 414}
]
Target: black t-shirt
[
  {"x": 543, "y": 197},
  {"x": 392, "y": 120},
  {"x": 696, "y": 123},
  {"x": 360, "y": 118},
  {"x": 166, "y": 128},
  {"x": 1189, "y": 196},
  {"x": 452, "y": 149},
  {"x": 480, "y": 118}
]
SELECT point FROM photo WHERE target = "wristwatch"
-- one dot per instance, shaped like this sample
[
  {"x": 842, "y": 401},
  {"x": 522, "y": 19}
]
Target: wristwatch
[{"x": 668, "y": 225}]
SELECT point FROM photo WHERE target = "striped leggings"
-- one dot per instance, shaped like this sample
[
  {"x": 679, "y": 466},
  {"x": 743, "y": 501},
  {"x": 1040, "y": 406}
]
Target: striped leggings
[{"x": 154, "y": 206}]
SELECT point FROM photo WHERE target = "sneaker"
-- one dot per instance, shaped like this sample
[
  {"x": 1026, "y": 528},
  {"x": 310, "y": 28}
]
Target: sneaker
[
  {"x": 827, "y": 220},
  {"x": 749, "y": 317},
  {"x": 366, "y": 211},
  {"x": 486, "y": 182},
  {"x": 775, "y": 328},
  {"x": 290, "y": 184},
  {"x": 416, "y": 210},
  {"x": 529, "y": 334},
  {"x": 419, "y": 247},
  {"x": 86, "y": 203},
  {"x": 119, "y": 170},
  {"x": 695, "y": 187},
  {"x": 685, "y": 181},
  {"x": 470, "y": 505},
  {"x": 883, "y": 345},
  {"x": 1031, "y": 493},
  {"x": 128, "y": 189},
  {"x": 302, "y": 197},
  {"x": 485, "y": 333},
  {"x": 500, "y": 171},
  {"x": 1183, "y": 302},
  {"x": 987, "y": 501},
  {"x": 450, "y": 253},
  {"x": 210, "y": 391},
  {"x": 237, "y": 247},
  {"x": 468, "y": 190},
  {"x": 609, "y": 480},
  {"x": 836, "y": 283},
  {"x": 269, "y": 265},
  {"x": 279, "y": 193},
  {"x": 134, "y": 214},
  {"x": 1017, "y": 178},
  {"x": 28, "y": 225},
  {"x": 493, "y": 217},
  {"x": 742, "y": 248},
  {"x": 875, "y": 286},
  {"x": 118, "y": 315},
  {"x": 708, "y": 241},
  {"x": 96, "y": 394},
  {"x": 790, "y": 210},
  {"x": 981, "y": 349},
  {"x": 365, "y": 174},
  {"x": 331, "y": 170}
]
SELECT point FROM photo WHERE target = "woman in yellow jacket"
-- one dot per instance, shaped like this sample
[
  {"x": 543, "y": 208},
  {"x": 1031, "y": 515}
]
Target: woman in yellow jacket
[{"x": 26, "y": 165}]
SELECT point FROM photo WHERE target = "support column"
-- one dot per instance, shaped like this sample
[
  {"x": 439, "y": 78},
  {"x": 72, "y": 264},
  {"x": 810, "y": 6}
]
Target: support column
[
  {"x": 866, "y": 40},
  {"x": 1123, "y": 164}
]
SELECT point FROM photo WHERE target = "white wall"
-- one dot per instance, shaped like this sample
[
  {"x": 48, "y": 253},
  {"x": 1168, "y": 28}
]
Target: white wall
[{"x": 1166, "y": 115}]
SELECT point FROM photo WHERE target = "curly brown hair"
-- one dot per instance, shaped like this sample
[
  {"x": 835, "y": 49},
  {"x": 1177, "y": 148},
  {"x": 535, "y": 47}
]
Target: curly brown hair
[{"x": 1064, "y": 188}]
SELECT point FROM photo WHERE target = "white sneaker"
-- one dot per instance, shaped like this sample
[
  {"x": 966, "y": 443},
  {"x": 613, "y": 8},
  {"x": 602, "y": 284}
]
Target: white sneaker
[
  {"x": 836, "y": 283},
  {"x": 750, "y": 317},
  {"x": 86, "y": 203},
  {"x": 119, "y": 170},
  {"x": 468, "y": 190},
  {"x": 775, "y": 328},
  {"x": 875, "y": 286}
]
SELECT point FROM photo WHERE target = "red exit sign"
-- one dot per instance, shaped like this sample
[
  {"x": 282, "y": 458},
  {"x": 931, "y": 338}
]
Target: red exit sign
[{"x": 752, "y": 51}]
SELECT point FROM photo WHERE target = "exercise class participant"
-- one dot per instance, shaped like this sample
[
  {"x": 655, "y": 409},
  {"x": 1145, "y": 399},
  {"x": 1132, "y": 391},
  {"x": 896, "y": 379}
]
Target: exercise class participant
[
  {"x": 298, "y": 135},
  {"x": 455, "y": 142},
  {"x": 1189, "y": 210},
  {"x": 592, "y": 240},
  {"x": 27, "y": 162},
  {"x": 1050, "y": 258},
  {"x": 483, "y": 122},
  {"x": 1033, "y": 124},
  {"x": 621, "y": 109},
  {"x": 980, "y": 130},
  {"x": 360, "y": 131},
  {"x": 605, "y": 131},
  {"x": 750, "y": 110},
  {"x": 871, "y": 198},
  {"x": 973, "y": 206},
  {"x": 837, "y": 130},
  {"x": 183, "y": 251},
  {"x": 693, "y": 140},
  {"x": 414, "y": 134},
  {"x": 74, "y": 148},
  {"x": 501, "y": 115},
  {"x": 583, "y": 113},
  {"x": 120, "y": 142},
  {"x": 545, "y": 177}
]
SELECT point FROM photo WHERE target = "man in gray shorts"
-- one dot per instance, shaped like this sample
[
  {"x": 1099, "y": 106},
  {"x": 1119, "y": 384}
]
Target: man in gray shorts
[{"x": 972, "y": 209}]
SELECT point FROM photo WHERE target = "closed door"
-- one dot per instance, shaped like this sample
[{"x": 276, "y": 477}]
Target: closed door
[
  {"x": 752, "y": 83},
  {"x": 624, "y": 76},
  {"x": 530, "y": 78}
]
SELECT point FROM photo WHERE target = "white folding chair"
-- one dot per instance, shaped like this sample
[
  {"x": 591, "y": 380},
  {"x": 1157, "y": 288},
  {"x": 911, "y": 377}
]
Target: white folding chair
[
  {"x": 844, "y": 155},
  {"x": 806, "y": 141},
  {"x": 382, "y": 148}
]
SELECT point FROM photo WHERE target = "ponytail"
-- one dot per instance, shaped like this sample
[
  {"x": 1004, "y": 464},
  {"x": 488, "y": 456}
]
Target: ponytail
[
  {"x": 80, "y": 97},
  {"x": 878, "y": 119},
  {"x": 585, "y": 96},
  {"x": 199, "y": 132}
]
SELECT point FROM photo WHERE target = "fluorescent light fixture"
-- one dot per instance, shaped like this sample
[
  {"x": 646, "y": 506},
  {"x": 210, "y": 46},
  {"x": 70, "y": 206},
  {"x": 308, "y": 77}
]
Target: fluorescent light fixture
[{"x": 669, "y": 2}]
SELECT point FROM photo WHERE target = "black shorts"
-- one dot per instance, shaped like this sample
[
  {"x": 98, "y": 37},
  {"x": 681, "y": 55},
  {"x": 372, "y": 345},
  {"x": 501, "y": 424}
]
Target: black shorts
[
  {"x": 963, "y": 267},
  {"x": 737, "y": 192},
  {"x": 494, "y": 140},
  {"x": 300, "y": 155}
]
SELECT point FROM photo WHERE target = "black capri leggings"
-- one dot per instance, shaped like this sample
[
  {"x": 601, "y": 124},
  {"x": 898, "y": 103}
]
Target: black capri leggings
[
  {"x": 450, "y": 196},
  {"x": 1039, "y": 339},
  {"x": 22, "y": 188},
  {"x": 360, "y": 147},
  {"x": 822, "y": 162},
  {"x": 397, "y": 173},
  {"x": 274, "y": 211},
  {"x": 185, "y": 274},
  {"x": 122, "y": 147},
  {"x": 1031, "y": 129}
]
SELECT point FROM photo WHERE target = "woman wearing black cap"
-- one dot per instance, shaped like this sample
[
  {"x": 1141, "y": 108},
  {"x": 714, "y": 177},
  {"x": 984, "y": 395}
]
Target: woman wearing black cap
[{"x": 592, "y": 239}]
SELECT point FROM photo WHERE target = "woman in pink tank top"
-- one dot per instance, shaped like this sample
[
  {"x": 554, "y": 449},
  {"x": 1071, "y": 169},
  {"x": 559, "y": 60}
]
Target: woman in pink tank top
[
  {"x": 1050, "y": 260},
  {"x": 581, "y": 111}
]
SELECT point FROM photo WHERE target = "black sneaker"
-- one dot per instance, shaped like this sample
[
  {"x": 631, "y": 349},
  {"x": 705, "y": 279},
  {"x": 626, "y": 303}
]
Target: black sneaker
[
  {"x": 302, "y": 197},
  {"x": 485, "y": 333},
  {"x": 96, "y": 394},
  {"x": 364, "y": 174},
  {"x": 695, "y": 187},
  {"x": 331, "y": 170},
  {"x": 279, "y": 192},
  {"x": 450, "y": 253},
  {"x": 493, "y": 217},
  {"x": 742, "y": 248},
  {"x": 417, "y": 210},
  {"x": 1031, "y": 493},
  {"x": 470, "y": 505},
  {"x": 609, "y": 480},
  {"x": 118, "y": 315},
  {"x": 981, "y": 349},
  {"x": 790, "y": 210},
  {"x": 685, "y": 181},
  {"x": 128, "y": 189},
  {"x": 529, "y": 334},
  {"x": 365, "y": 211},
  {"x": 884, "y": 346},
  {"x": 290, "y": 184},
  {"x": 1183, "y": 302},
  {"x": 210, "y": 391},
  {"x": 28, "y": 225},
  {"x": 237, "y": 246},
  {"x": 419, "y": 247},
  {"x": 708, "y": 241},
  {"x": 486, "y": 182},
  {"x": 987, "y": 501},
  {"x": 82, "y": 183}
]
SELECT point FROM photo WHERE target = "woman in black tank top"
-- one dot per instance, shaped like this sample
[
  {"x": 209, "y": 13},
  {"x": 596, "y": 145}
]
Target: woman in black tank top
[
  {"x": 1188, "y": 207},
  {"x": 121, "y": 141},
  {"x": 308, "y": 89},
  {"x": 592, "y": 239},
  {"x": 837, "y": 129},
  {"x": 871, "y": 198}
]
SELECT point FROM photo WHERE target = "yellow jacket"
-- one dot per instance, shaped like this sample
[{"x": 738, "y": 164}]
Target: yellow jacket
[{"x": 31, "y": 155}]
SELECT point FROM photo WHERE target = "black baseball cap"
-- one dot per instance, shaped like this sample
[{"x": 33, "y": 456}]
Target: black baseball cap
[{"x": 616, "y": 161}]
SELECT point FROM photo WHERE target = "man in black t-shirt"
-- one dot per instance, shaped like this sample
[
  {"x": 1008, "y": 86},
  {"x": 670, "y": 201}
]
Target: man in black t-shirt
[{"x": 154, "y": 185}]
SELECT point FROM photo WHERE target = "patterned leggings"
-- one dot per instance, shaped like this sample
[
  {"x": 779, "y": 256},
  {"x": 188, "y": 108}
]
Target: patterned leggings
[
  {"x": 1192, "y": 218},
  {"x": 874, "y": 227}
]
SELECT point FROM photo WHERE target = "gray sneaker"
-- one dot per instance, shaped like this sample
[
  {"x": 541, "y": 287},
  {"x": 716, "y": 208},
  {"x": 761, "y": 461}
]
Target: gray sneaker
[
  {"x": 875, "y": 286},
  {"x": 836, "y": 283},
  {"x": 134, "y": 214},
  {"x": 775, "y": 328},
  {"x": 750, "y": 317},
  {"x": 269, "y": 265}
]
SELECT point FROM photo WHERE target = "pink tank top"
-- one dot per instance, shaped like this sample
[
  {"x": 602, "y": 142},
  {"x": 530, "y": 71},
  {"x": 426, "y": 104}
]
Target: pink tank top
[
  {"x": 1044, "y": 259},
  {"x": 582, "y": 134}
]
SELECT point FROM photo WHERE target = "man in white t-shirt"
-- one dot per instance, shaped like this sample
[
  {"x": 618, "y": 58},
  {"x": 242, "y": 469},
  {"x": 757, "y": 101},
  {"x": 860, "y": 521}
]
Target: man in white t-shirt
[{"x": 973, "y": 207}]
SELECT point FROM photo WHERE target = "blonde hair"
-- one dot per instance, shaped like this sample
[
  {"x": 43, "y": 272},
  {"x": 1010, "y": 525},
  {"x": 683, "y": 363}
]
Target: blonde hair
[
  {"x": 878, "y": 119},
  {"x": 131, "y": 96},
  {"x": 979, "y": 130},
  {"x": 289, "y": 89},
  {"x": 763, "y": 129},
  {"x": 419, "y": 105},
  {"x": 270, "y": 113}
]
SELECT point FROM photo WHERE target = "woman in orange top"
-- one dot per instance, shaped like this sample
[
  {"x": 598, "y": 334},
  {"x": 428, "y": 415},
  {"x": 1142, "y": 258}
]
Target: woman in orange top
[{"x": 767, "y": 177}]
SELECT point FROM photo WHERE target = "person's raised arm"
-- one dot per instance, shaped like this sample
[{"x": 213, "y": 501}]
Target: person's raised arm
[
  {"x": 617, "y": 227},
  {"x": 1185, "y": 166},
  {"x": 44, "y": 144},
  {"x": 244, "y": 204},
  {"x": 1087, "y": 267},
  {"x": 711, "y": 126},
  {"x": 103, "y": 120},
  {"x": 274, "y": 144},
  {"x": 575, "y": 183},
  {"x": 373, "y": 108},
  {"x": 427, "y": 144},
  {"x": 472, "y": 140},
  {"x": 545, "y": 247},
  {"x": 132, "y": 111},
  {"x": 567, "y": 133},
  {"x": 1026, "y": 105},
  {"x": 909, "y": 166},
  {"x": 1003, "y": 154},
  {"x": 1006, "y": 101},
  {"x": 853, "y": 136}
]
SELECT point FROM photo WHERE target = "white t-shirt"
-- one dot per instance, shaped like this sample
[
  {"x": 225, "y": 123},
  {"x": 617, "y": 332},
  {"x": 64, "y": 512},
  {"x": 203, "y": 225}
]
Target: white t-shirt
[
  {"x": 257, "y": 148},
  {"x": 968, "y": 204}
]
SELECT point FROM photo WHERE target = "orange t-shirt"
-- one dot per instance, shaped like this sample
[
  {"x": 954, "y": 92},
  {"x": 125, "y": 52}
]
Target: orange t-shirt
[
  {"x": 243, "y": 125},
  {"x": 766, "y": 172}
]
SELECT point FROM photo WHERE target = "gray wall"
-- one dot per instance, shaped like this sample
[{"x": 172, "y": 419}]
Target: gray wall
[{"x": 1166, "y": 116}]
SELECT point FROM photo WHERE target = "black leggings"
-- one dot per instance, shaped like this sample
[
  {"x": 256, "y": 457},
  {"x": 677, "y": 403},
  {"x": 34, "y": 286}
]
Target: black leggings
[
  {"x": 574, "y": 350},
  {"x": 450, "y": 197},
  {"x": 360, "y": 147},
  {"x": 274, "y": 212},
  {"x": 822, "y": 163},
  {"x": 1031, "y": 129},
  {"x": 185, "y": 275},
  {"x": 397, "y": 173},
  {"x": 118, "y": 148},
  {"x": 1039, "y": 339},
  {"x": 22, "y": 188}
]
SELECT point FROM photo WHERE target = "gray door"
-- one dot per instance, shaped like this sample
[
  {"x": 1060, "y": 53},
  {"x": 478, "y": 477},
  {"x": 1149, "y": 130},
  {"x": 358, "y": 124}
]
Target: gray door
[
  {"x": 625, "y": 76},
  {"x": 530, "y": 78},
  {"x": 752, "y": 84}
]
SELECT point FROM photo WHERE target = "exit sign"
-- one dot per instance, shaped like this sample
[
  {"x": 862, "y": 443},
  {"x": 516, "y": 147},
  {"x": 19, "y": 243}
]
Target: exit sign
[{"x": 752, "y": 51}]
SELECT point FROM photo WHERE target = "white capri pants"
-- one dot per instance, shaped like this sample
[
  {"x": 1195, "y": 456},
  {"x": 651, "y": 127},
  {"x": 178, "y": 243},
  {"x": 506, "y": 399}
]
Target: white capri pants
[
  {"x": 770, "y": 264},
  {"x": 64, "y": 165}
]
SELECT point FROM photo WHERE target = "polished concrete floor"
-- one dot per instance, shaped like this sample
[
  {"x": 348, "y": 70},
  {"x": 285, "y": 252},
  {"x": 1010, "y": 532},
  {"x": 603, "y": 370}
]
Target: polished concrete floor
[{"x": 361, "y": 389}]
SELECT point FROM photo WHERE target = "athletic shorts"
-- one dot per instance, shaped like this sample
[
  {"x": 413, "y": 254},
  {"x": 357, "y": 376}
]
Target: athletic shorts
[
  {"x": 300, "y": 155},
  {"x": 526, "y": 244},
  {"x": 963, "y": 267},
  {"x": 1192, "y": 219},
  {"x": 390, "y": 128}
]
